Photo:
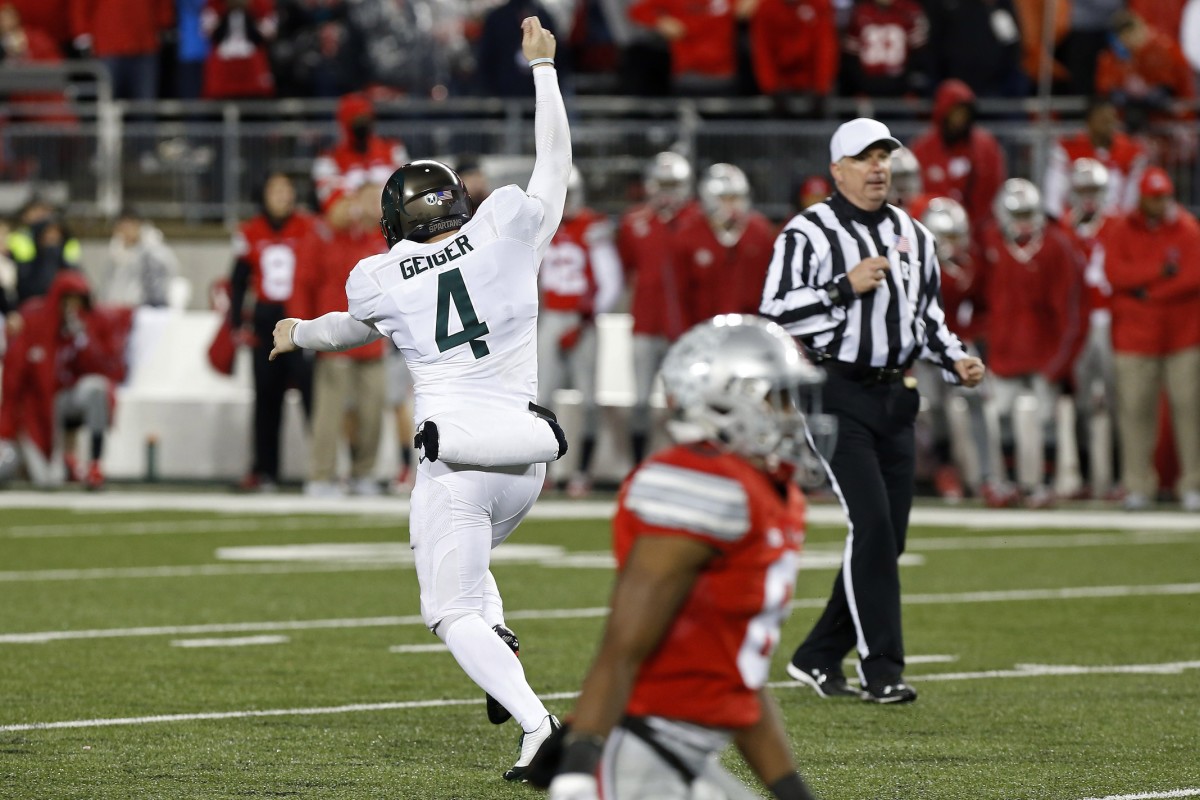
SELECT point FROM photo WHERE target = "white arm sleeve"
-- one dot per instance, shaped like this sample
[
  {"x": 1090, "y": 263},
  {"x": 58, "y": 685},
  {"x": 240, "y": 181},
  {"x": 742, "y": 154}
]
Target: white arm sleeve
[
  {"x": 552, "y": 143},
  {"x": 333, "y": 332}
]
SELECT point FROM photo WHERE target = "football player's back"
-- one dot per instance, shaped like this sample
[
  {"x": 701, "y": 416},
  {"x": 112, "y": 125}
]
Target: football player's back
[{"x": 463, "y": 309}]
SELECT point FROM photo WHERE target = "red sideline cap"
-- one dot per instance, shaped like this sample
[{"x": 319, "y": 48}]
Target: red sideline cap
[
  {"x": 1156, "y": 182},
  {"x": 815, "y": 184}
]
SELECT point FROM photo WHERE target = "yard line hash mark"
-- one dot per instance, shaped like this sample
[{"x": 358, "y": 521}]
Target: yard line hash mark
[{"x": 1029, "y": 671}]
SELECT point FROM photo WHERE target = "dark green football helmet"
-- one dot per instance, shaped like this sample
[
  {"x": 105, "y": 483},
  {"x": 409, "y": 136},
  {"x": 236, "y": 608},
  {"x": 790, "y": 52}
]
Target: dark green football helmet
[{"x": 421, "y": 200}]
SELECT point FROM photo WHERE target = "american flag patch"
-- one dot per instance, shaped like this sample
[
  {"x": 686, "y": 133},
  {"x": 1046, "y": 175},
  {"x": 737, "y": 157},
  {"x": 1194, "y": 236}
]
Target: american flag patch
[
  {"x": 439, "y": 197},
  {"x": 903, "y": 245}
]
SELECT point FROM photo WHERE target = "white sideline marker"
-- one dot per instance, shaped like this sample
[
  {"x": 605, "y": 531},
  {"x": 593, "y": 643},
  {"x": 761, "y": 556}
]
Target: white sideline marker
[
  {"x": 1029, "y": 672},
  {"x": 235, "y": 641}
]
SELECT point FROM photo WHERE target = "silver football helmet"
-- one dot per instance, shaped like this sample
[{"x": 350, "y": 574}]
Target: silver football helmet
[
  {"x": 906, "y": 177},
  {"x": 669, "y": 180},
  {"x": 743, "y": 382},
  {"x": 725, "y": 197},
  {"x": 1089, "y": 185},
  {"x": 575, "y": 195},
  {"x": 1018, "y": 210},
  {"x": 947, "y": 221}
]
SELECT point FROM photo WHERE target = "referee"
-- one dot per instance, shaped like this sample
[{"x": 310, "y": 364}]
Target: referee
[{"x": 857, "y": 282}]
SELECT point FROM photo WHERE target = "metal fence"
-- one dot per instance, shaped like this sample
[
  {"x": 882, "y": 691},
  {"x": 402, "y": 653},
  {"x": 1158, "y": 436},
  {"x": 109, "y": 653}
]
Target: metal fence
[{"x": 200, "y": 162}]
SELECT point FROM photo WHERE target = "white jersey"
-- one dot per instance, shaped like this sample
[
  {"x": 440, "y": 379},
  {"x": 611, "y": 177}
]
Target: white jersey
[{"x": 462, "y": 310}]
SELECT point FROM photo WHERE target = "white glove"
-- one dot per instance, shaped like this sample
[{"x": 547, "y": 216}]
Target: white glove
[{"x": 574, "y": 786}]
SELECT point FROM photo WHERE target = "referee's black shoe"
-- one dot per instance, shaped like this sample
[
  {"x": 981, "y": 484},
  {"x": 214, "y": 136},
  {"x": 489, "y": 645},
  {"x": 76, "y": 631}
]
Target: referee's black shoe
[
  {"x": 888, "y": 693},
  {"x": 825, "y": 682}
]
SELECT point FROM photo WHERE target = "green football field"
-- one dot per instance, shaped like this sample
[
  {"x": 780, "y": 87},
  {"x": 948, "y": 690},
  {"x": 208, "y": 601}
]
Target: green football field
[{"x": 224, "y": 652}]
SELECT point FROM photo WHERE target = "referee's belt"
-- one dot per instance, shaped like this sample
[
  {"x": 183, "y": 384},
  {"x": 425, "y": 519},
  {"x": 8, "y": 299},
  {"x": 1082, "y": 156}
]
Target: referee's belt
[{"x": 868, "y": 376}]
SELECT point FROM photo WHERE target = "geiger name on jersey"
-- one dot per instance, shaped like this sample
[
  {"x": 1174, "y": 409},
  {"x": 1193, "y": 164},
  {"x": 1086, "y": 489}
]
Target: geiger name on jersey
[{"x": 415, "y": 265}]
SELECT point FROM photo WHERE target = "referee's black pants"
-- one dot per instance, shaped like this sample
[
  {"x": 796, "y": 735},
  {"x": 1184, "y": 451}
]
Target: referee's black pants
[{"x": 872, "y": 472}]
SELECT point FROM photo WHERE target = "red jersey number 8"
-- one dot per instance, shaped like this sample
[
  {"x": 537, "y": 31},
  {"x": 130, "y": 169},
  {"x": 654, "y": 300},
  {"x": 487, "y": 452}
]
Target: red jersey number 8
[{"x": 277, "y": 264}]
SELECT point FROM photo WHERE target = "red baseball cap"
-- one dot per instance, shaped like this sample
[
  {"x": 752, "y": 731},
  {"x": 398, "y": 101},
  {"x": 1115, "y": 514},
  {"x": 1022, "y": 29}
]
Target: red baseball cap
[{"x": 1156, "y": 182}]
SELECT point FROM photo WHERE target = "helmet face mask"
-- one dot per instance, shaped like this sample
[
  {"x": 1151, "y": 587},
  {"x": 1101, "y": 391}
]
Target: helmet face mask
[
  {"x": 1018, "y": 209},
  {"x": 947, "y": 221},
  {"x": 668, "y": 181},
  {"x": 742, "y": 382},
  {"x": 1089, "y": 187},
  {"x": 421, "y": 200}
]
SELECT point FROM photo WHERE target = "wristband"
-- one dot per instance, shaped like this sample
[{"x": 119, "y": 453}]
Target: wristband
[
  {"x": 791, "y": 787},
  {"x": 292, "y": 335},
  {"x": 537, "y": 61}
]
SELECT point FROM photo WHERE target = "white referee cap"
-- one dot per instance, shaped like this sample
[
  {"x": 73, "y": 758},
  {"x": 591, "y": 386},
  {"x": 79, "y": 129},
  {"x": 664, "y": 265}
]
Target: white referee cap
[{"x": 855, "y": 136}]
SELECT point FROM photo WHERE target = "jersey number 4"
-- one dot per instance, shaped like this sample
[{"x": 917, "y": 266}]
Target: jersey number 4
[{"x": 452, "y": 288}]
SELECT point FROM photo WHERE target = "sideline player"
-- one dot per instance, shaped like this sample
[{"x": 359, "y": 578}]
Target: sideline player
[
  {"x": 457, "y": 294},
  {"x": 707, "y": 536}
]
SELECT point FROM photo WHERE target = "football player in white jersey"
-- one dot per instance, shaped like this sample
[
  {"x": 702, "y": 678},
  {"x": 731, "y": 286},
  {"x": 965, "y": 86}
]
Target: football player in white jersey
[{"x": 457, "y": 293}]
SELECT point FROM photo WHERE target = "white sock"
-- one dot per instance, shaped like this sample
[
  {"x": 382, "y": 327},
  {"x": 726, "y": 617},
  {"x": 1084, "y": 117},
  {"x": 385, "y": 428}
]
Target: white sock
[{"x": 495, "y": 668}]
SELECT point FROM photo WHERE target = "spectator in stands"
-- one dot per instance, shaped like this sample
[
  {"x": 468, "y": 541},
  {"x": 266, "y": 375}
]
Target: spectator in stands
[
  {"x": 886, "y": 49},
  {"x": 1086, "y": 39},
  {"x": 1033, "y": 276},
  {"x": 21, "y": 43},
  {"x": 1101, "y": 139},
  {"x": 191, "y": 49},
  {"x": 140, "y": 266},
  {"x": 979, "y": 43},
  {"x": 580, "y": 278},
  {"x": 416, "y": 47},
  {"x": 959, "y": 158},
  {"x": 318, "y": 52},
  {"x": 1162, "y": 15},
  {"x": 351, "y": 378},
  {"x": 721, "y": 255},
  {"x": 359, "y": 157},
  {"x": 59, "y": 374},
  {"x": 124, "y": 34},
  {"x": 500, "y": 69},
  {"x": 1031, "y": 16},
  {"x": 269, "y": 249},
  {"x": 473, "y": 178},
  {"x": 239, "y": 33},
  {"x": 808, "y": 191},
  {"x": 702, "y": 41},
  {"x": 1143, "y": 70},
  {"x": 645, "y": 241},
  {"x": 50, "y": 17},
  {"x": 1152, "y": 261},
  {"x": 795, "y": 48}
]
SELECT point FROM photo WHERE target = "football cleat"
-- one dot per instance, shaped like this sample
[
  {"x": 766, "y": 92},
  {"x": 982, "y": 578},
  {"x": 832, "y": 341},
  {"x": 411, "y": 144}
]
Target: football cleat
[
  {"x": 528, "y": 744},
  {"x": 95, "y": 477},
  {"x": 498, "y": 714},
  {"x": 826, "y": 683},
  {"x": 898, "y": 692}
]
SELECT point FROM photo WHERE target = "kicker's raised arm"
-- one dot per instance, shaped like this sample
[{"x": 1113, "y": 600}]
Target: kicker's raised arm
[{"x": 552, "y": 135}]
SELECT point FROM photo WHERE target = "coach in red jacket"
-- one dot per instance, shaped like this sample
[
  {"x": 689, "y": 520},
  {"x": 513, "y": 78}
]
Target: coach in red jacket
[
  {"x": 959, "y": 159},
  {"x": 59, "y": 372},
  {"x": 1152, "y": 261}
]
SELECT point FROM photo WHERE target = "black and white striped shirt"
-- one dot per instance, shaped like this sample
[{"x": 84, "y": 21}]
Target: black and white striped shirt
[{"x": 890, "y": 327}]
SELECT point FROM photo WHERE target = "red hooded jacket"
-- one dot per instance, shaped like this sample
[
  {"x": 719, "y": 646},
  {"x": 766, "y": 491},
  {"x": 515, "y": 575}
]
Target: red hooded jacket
[
  {"x": 795, "y": 46},
  {"x": 237, "y": 64},
  {"x": 43, "y": 359},
  {"x": 970, "y": 171},
  {"x": 343, "y": 168},
  {"x": 707, "y": 46},
  {"x": 1153, "y": 313}
]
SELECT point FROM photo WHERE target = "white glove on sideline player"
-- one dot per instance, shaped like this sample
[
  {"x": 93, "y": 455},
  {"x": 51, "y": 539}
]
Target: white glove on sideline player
[{"x": 574, "y": 786}]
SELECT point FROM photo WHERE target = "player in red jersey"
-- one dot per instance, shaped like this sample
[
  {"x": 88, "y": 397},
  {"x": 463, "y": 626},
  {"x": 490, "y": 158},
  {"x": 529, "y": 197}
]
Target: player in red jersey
[
  {"x": 580, "y": 278},
  {"x": 707, "y": 536},
  {"x": 267, "y": 250},
  {"x": 644, "y": 241},
  {"x": 1033, "y": 286},
  {"x": 722, "y": 255},
  {"x": 359, "y": 157}
]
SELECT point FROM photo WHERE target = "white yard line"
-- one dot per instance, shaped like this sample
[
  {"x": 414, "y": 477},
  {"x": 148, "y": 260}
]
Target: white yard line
[
  {"x": 1151, "y": 795},
  {"x": 236, "y": 641},
  {"x": 185, "y": 526},
  {"x": 818, "y": 513},
  {"x": 1031, "y": 672},
  {"x": 1075, "y": 593},
  {"x": 410, "y": 649}
]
